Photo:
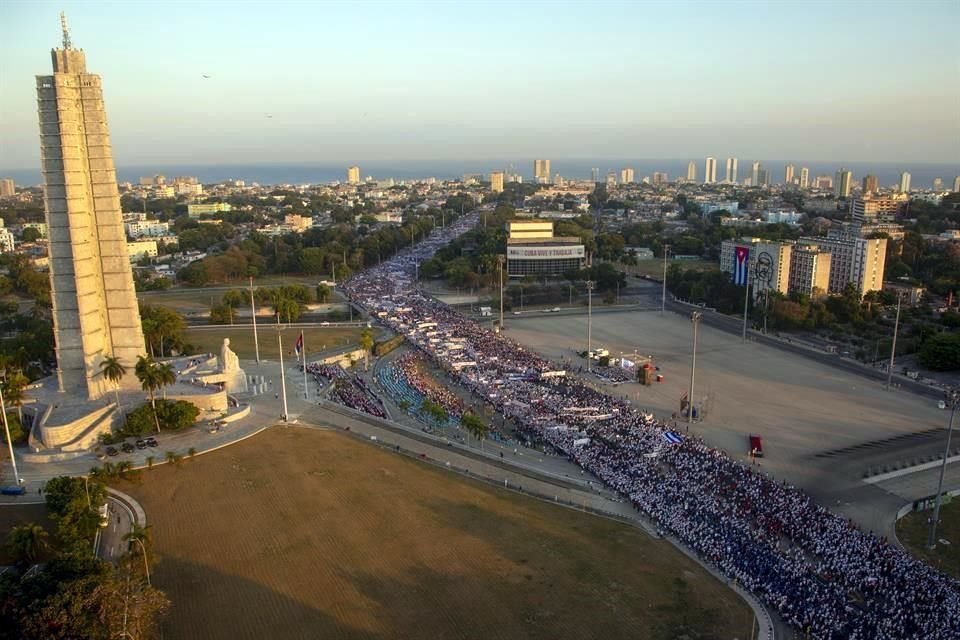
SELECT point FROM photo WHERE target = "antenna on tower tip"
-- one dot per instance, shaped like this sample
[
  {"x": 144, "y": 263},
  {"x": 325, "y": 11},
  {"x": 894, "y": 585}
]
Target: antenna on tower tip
[{"x": 66, "y": 31}]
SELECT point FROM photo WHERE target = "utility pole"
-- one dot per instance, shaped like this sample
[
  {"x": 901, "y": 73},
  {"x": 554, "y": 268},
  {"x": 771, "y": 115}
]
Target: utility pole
[
  {"x": 695, "y": 318},
  {"x": 590, "y": 284},
  {"x": 253, "y": 316},
  {"x": 952, "y": 398},
  {"x": 500, "y": 260},
  {"x": 663, "y": 295},
  {"x": 893, "y": 346},
  {"x": 746, "y": 304},
  {"x": 283, "y": 378},
  {"x": 303, "y": 348}
]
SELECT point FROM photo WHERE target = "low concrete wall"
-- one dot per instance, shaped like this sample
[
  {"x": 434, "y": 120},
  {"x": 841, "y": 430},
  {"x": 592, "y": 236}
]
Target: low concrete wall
[
  {"x": 56, "y": 435},
  {"x": 241, "y": 413}
]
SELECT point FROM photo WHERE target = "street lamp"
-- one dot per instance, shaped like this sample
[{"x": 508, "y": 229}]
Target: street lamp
[
  {"x": 695, "y": 318},
  {"x": 893, "y": 346},
  {"x": 500, "y": 260},
  {"x": 663, "y": 296},
  {"x": 952, "y": 397},
  {"x": 590, "y": 284}
]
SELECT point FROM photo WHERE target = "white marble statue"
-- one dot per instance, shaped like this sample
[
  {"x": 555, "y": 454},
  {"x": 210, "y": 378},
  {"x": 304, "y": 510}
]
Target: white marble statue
[{"x": 228, "y": 361}]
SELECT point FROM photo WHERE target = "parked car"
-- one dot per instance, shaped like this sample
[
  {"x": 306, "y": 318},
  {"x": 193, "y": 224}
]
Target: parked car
[
  {"x": 151, "y": 442},
  {"x": 756, "y": 446},
  {"x": 13, "y": 491},
  {"x": 127, "y": 447},
  {"x": 141, "y": 444},
  {"x": 112, "y": 451}
]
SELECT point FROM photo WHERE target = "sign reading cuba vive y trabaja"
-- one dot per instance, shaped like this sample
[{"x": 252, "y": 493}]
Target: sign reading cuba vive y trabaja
[{"x": 548, "y": 252}]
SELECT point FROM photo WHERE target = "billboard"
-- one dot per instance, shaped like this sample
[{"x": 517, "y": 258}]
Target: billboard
[{"x": 545, "y": 252}]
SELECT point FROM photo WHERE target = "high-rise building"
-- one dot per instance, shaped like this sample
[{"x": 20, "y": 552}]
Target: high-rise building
[
  {"x": 804, "y": 177},
  {"x": 95, "y": 313},
  {"x": 660, "y": 178},
  {"x": 710, "y": 171},
  {"x": 841, "y": 186},
  {"x": 541, "y": 170},
  {"x": 904, "y": 182},
  {"x": 809, "y": 270},
  {"x": 823, "y": 182},
  {"x": 956, "y": 184},
  {"x": 755, "y": 174},
  {"x": 611, "y": 178},
  {"x": 875, "y": 210},
  {"x": 691, "y": 171},
  {"x": 788, "y": 174},
  {"x": 938, "y": 184},
  {"x": 856, "y": 261},
  {"x": 763, "y": 178},
  {"x": 353, "y": 175},
  {"x": 6, "y": 239},
  {"x": 731, "y": 176},
  {"x": 7, "y": 188},
  {"x": 595, "y": 174},
  {"x": 496, "y": 181},
  {"x": 768, "y": 263},
  {"x": 871, "y": 184},
  {"x": 626, "y": 175}
]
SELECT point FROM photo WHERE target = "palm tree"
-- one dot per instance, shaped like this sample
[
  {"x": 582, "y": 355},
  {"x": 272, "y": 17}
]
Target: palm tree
[
  {"x": 14, "y": 387},
  {"x": 113, "y": 370},
  {"x": 477, "y": 428},
  {"x": 27, "y": 541},
  {"x": 166, "y": 376},
  {"x": 150, "y": 461},
  {"x": 148, "y": 375},
  {"x": 170, "y": 456},
  {"x": 366, "y": 343}
]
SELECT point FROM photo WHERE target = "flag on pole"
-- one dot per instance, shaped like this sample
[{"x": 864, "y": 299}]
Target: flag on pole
[
  {"x": 298, "y": 348},
  {"x": 741, "y": 266}
]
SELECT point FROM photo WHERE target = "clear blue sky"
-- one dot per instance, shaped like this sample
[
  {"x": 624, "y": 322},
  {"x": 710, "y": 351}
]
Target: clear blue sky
[{"x": 393, "y": 81}]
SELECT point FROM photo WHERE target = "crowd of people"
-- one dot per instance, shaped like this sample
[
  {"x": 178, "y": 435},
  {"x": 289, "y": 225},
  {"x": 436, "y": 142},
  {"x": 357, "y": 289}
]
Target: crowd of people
[
  {"x": 410, "y": 366},
  {"x": 821, "y": 572},
  {"x": 350, "y": 389}
]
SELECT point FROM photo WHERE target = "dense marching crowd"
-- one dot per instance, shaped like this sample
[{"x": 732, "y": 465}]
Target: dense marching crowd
[
  {"x": 819, "y": 571},
  {"x": 410, "y": 365},
  {"x": 351, "y": 390}
]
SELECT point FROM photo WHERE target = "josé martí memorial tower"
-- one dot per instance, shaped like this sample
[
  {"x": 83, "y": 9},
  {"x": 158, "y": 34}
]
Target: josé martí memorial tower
[{"x": 95, "y": 313}]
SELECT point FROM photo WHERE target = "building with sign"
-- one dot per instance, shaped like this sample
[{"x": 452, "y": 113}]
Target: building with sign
[
  {"x": 533, "y": 250},
  {"x": 768, "y": 263}
]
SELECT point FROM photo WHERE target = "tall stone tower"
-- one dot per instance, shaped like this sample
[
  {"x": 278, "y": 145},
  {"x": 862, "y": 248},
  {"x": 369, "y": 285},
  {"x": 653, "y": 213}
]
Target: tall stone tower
[{"x": 95, "y": 312}]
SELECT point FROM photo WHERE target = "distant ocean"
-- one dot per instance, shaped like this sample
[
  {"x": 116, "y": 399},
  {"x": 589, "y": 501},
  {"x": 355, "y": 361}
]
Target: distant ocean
[{"x": 272, "y": 174}]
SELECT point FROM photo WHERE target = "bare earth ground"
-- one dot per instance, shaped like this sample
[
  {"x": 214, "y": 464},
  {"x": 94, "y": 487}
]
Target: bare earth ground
[
  {"x": 302, "y": 533},
  {"x": 913, "y": 531},
  {"x": 241, "y": 340}
]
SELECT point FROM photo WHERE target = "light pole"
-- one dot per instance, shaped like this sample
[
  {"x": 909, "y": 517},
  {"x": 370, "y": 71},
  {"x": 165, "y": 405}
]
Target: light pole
[
  {"x": 283, "y": 378},
  {"x": 146, "y": 564},
  {"x": 6, "y": 428},
  {"x": 695, "y": 318},
  {"x": 663, "y": 296},
  {"x": 590, "y": 284},
  {"x": 953, "y": 396},
  {"x": 500, "y": 260},
  {"x": 253, "y": 316},
  {"x": 893, "y": 346}
]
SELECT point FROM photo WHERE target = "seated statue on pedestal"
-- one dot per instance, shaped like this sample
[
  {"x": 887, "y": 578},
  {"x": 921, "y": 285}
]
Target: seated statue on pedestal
[
  {"x": 228, "y": 361},
  {"x": 230, "y": 374}
]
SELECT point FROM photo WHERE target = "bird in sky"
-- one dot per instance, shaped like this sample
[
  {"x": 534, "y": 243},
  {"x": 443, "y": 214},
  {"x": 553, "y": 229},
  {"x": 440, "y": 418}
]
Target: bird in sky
[
  {"x": 268, "y": 116},
  {"x": 206, "y": 76}
]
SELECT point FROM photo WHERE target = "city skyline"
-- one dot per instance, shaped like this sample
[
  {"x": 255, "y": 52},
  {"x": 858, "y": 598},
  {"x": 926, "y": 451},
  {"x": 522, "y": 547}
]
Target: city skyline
[{"x": 428, "y": 103}]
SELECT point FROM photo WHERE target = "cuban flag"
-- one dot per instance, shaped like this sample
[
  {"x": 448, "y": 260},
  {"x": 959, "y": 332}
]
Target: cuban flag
[
  {"x": 741, "y": 265},
  {"x": 298, "y": 348},
  {"x": 672, "y": 437}
]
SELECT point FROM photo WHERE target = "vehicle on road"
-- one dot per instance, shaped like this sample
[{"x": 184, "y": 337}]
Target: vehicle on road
[
  {"x": 126, "y": 447},
  {"x": 756, "y": 446},
  {"x": 13, "y": 491},
  {"x": 141, "y": 444},
  {"x": 555, "y": 310},
  {"x": 152, "y": 442},
  {"x": 104, "y": 512},
  {"x": 112, "y": 451}
]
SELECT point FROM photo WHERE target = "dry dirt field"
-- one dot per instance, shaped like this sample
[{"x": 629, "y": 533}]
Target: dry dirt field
[{"x": 302, "y": 533}]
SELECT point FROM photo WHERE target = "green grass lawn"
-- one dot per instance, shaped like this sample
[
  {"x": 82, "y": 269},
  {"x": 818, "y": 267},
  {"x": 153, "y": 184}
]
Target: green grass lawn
[
  {"x": 913, "y": 530},
  {"x": 241, "y": 340},
  {"x": 654, "y": 267}
]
